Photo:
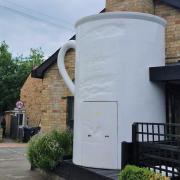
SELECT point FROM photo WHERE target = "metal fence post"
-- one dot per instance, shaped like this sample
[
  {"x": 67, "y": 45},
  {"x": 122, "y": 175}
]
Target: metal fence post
[
  {"x": 126, "y": 154},
  {"x": 135, "y": 143}
]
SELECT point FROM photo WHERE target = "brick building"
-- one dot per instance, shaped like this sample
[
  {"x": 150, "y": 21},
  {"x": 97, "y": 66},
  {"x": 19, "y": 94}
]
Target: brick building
[
  {"x": 57, "y": 101},
  {"x": 30, "y": 94}
]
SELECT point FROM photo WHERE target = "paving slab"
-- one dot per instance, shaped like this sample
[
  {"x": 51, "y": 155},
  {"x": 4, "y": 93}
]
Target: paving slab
[{"x": 14, "y": 164}]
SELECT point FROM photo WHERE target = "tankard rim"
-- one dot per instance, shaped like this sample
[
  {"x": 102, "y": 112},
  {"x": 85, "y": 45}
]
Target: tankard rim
[{"x": 123, "y": 15}]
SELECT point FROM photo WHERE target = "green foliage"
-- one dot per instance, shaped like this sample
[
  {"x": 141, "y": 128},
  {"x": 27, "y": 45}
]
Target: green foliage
[
  {"x": 46, "y": 151},
  {"x": 7, "y": 69},
  {"x": 136, "y": 173},
  {"x": 13, "y": 73}
]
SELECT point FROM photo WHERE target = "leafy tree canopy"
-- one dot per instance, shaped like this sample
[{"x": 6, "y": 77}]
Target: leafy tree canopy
[{"x": 13, "y": 73}]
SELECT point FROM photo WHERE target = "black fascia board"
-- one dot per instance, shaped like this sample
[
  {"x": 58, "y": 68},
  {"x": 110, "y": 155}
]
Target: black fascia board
[
  {"x": 40, "y": 70},
  {"x": 165, "y": 73},
  {"x": 174, "y": 3}
]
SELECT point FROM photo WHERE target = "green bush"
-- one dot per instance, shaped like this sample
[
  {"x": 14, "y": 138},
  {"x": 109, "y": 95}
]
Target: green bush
[
  {"x": 136, "y": 173},
  {"x": 46, "y": 151}
]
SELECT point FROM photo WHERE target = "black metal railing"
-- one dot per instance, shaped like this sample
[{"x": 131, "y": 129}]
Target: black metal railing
[
  {"x": 156, "y": 146},
  {"x": 156, "y": 132}
]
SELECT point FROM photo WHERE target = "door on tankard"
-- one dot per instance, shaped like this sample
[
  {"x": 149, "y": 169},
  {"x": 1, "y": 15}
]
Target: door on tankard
[{"x": 99, "y": 134}]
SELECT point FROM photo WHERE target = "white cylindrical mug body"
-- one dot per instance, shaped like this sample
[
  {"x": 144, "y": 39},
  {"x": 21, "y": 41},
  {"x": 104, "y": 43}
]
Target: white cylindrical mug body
[{"x": 112, "y": 88}]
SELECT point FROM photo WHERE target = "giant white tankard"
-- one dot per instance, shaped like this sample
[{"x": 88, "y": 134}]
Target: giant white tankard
[{"x": 112, "y": 88}]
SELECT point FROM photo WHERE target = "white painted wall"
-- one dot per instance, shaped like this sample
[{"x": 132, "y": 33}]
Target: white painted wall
[{"x": 113, "y": 54}]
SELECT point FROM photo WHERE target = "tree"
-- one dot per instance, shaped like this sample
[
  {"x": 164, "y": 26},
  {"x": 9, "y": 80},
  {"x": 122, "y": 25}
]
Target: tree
[
  {"x": 13, "y": 73},
  {"x": 25, "y": 65}
]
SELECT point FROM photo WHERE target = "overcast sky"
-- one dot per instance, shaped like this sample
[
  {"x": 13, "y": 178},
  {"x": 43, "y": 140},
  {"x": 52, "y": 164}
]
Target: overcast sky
[{"x": 42, "y": 23}]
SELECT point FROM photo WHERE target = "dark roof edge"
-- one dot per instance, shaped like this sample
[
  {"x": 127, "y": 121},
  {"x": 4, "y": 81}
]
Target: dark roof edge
[
  {"x": 164, "y": 73},
  {"x": 174, "y": 3},
  {"x": 41, "y": 69}
]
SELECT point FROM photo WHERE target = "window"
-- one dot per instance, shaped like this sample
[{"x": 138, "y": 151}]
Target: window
[{"x": 70, "y": 112}]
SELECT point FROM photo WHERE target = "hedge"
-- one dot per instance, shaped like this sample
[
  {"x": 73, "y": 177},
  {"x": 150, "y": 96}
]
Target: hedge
[
  {"x": 136, "y": 173},
  {"x": 46, "y": 151}
]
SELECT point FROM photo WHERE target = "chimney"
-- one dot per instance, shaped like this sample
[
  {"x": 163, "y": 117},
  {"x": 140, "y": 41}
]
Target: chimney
[{"x": 145, "y": 6}]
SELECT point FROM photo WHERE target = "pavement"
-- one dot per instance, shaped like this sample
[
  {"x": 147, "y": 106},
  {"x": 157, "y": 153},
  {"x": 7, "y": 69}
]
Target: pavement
[{"x": 14, "y": 164}]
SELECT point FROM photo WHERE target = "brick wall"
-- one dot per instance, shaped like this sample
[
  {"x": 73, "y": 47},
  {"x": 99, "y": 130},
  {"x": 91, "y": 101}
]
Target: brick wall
[
  {"x": 172, "y": 15},
  {"x": 54, "y": 95},
  {"x": 145, "y": 6},
  {"x": 31, "y": 96}
]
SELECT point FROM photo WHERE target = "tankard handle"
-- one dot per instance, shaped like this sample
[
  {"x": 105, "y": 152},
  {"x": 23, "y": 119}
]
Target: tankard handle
[{"x": 61, "y": 66}]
